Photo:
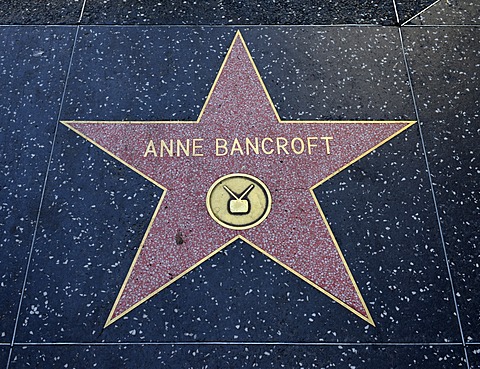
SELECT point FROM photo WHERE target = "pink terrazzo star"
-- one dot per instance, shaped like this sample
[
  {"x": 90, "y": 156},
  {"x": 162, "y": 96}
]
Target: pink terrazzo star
[{"x": 182, "y": 234}]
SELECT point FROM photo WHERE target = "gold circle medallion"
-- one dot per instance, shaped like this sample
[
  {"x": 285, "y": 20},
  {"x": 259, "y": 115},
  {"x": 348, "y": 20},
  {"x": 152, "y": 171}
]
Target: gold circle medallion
[{"x": 239, "y": 201}]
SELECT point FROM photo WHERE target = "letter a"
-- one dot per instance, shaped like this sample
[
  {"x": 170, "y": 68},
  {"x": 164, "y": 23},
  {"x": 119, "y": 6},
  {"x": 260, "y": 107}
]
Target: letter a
[{"x": 150, "y": 149}]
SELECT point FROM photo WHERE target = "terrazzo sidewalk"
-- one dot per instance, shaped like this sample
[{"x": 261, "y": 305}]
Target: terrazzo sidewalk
[{"x": 404, "y": 216}]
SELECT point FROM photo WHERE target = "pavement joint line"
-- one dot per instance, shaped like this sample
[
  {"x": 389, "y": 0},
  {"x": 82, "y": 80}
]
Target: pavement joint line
[
  {"x": 421, "y": 12},
  {"x": 81, "y": 12},
  {"x": 369, "y": 25},
  {"x": 243, "y": 25},
  {"x": 34, "y": 236},
  {"x": 205, "y": 25},
  {"x": 39, "y": 25},
  {"x": 396, "y": 11},
  {"x": 434, "y": 198},
  {"x": 442, "y": 25},
  {"x": 233, "y": 343}
]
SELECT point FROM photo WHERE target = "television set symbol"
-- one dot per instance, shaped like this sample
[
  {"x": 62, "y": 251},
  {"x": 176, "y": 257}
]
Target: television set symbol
[
  {"x": 239, "y": 204},
  {"x": 238, "y": 201}
]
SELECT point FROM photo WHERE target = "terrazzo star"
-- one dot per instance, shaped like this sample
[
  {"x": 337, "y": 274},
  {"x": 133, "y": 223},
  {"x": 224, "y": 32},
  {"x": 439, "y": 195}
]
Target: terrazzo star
[{"x": 213, "y": 200}]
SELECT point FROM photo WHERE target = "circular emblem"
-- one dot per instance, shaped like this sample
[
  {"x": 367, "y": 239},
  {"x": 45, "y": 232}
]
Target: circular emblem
[{"x": 239, "y": 201}]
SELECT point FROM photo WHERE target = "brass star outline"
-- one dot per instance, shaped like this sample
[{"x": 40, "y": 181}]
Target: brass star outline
[{"x": 368, "y": 318}]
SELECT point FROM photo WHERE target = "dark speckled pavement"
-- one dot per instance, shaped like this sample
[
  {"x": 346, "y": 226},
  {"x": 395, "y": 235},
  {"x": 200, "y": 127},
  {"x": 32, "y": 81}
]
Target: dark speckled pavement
[{"x": 406, "y": 216}]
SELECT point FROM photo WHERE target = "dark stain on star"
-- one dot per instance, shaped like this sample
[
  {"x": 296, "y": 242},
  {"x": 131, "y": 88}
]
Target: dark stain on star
[{"x": 179, "y": 238}]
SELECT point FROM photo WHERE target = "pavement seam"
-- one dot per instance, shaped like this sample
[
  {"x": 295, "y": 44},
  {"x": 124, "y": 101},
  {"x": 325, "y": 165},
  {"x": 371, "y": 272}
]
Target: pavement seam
[
  {"x": 434, "y": 198},
  {"x": 202, "y": 25},
  {"x": 396, "y": 11},
  {"x": 421, "y": 12},
  {"x": 233, "y": 343},
  {"x": 42, "y": 196},
  {"x": 81, "y": 12},
  {"x": 441, "y": 25}
]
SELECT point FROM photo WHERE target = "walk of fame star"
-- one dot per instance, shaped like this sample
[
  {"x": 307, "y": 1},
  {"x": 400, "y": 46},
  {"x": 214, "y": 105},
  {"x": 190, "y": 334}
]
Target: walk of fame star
[{"x": 259, "y": 173}]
